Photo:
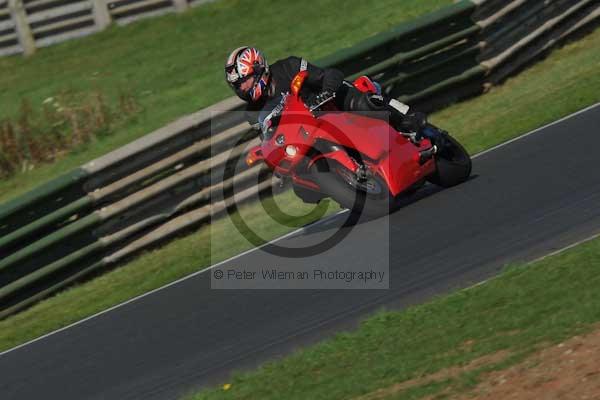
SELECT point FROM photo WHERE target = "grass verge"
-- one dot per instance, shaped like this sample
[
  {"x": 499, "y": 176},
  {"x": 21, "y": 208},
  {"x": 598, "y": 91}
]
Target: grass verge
[
  {"x": 479, "y": 123},
  {"x": 443, "y": 346},
  {"x": 172, "y": 65}
]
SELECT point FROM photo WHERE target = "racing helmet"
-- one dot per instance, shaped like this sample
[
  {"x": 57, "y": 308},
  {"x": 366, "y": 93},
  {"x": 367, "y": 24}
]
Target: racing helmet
[{"x": 242, "y": 64}]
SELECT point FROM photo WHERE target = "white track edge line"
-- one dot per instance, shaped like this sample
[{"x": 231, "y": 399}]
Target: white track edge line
[
  {"x": 281, "y": 238},
  {"x": 553, "y": 253},
  {"x": 535, "y": 130},
  {"x": 321, "y": 221}
]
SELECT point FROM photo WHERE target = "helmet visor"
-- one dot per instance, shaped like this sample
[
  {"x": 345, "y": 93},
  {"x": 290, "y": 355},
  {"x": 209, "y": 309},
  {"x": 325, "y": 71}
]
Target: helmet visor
[
  {"x": 237, "y": 84},
  {"x": 232, "y": 75}
]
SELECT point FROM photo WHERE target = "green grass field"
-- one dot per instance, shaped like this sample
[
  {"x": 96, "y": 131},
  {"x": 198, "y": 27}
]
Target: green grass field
[
  {"x": 487, "y": 327},
  {"x": 479, "y": 123},
  {"x": 172, "y": 65}
]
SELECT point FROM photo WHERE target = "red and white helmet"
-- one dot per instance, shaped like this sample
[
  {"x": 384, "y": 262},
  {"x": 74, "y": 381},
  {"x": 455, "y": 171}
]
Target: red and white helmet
[{"x": 242, "y": 64}]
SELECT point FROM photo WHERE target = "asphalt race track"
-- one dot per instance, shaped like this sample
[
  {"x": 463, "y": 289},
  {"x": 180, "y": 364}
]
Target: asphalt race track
[{"x": 526, "y": 199}]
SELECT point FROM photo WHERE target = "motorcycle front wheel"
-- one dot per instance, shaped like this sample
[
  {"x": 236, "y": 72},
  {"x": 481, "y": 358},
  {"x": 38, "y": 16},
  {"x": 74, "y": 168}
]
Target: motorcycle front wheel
[{"x": 370, "y": 197}]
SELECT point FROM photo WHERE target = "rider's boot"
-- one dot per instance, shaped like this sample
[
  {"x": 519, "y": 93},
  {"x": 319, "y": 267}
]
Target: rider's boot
[
  {"x": 414, "y": 126},
  {"x": 406, "y": 121},
  {"x": 409, "y": 123},
  {"x": 437, "y": 136}
]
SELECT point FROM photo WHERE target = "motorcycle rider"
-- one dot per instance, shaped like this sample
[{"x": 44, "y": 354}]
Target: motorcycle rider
[{"x": 256, "y": 82}]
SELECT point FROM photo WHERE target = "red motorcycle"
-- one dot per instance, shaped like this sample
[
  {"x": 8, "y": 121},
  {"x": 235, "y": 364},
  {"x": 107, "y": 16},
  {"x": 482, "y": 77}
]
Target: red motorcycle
[{"x": 362, "y": 163}]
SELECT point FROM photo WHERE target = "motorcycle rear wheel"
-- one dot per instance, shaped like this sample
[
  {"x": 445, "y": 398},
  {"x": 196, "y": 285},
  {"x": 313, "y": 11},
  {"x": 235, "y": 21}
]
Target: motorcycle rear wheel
[{"x": 453, "y": 164}]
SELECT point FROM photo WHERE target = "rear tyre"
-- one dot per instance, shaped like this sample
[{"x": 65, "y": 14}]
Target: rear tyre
[
  {"x": 371, "y": 197},
  {"x": 453, "y": 163}
]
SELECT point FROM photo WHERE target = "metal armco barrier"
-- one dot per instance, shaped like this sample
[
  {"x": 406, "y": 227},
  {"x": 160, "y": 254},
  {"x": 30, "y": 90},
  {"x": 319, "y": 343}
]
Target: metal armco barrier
[
  {"x": 159, "y": 186},
  {"x": 26, "y": 25}
]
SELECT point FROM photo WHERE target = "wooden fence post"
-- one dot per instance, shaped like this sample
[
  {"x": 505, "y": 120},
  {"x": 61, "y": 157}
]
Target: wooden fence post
[
  {"x": 102, "y": 17},
  {"x": 180, "y": 5},
  {"x": 19, "y": 16}
]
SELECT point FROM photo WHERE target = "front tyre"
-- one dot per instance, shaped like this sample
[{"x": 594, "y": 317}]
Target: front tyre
[
  {"x": 371, "y": 197},
  {"x": 306, "y": 195}
]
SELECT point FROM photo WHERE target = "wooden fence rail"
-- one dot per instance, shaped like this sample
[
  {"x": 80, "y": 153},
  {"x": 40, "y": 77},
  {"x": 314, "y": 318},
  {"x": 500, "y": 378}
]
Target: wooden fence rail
[
  {"x": 163, "y": 183},
  {"x": 26, "y": 25}
]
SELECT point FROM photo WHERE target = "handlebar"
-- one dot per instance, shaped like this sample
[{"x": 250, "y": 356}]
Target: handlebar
[{"x": 317, "y": 106}]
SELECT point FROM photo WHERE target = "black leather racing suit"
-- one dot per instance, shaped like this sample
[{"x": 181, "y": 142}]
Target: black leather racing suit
[{"x": 347, "y": 97}]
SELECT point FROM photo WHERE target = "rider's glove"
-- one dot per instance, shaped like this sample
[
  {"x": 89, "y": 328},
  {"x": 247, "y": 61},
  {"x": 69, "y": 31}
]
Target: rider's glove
[{"x": 316, "y": 101}]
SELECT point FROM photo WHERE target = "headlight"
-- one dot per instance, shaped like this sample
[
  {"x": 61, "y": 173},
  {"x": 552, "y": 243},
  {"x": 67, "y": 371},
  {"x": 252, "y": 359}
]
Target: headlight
[
  {"x": 291, "y": 150},
  {"x": 280, "y": 140}
]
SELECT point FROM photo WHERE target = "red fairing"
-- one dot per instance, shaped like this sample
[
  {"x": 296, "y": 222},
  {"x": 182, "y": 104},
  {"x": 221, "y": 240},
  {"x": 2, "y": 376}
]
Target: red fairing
[
  {"x": 372, "y": 137},
  {"x": 290, "y": 148},
  {"x": 402, "y": 172},
  {"x": 392, "y": 154}
]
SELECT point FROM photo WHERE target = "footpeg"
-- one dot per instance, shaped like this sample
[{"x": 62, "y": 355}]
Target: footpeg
[
  {"x": 426, "y": 155},
  {"x": 413, "y": 137}
]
